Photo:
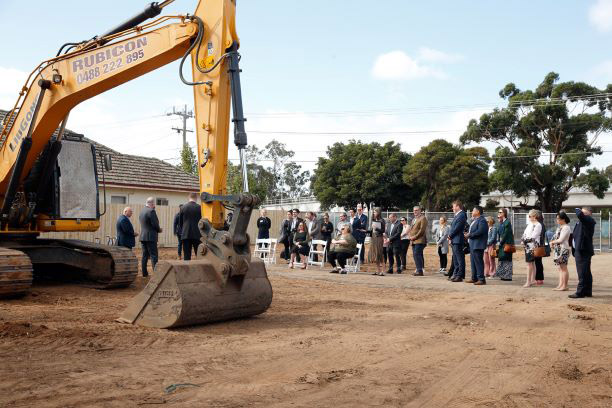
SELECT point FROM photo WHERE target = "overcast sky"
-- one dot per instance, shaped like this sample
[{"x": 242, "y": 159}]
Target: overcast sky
[{"x": 331, "y": 66}]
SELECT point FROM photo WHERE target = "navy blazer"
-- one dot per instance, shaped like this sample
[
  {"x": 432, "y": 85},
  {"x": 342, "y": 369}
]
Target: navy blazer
[
  {"x": 479, "y": 234},
  {"x": 583, "y": 234},
  {"x": 360, "y": 223},
  {"x": 125, "y": 232},
  {"x": 458, "y": 228}
]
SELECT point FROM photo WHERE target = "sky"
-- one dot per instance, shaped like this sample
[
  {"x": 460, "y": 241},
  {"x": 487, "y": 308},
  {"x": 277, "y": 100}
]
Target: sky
[{"x": 371, "y": 68}]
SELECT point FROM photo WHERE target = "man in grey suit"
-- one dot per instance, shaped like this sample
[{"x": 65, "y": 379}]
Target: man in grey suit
[
  {"x": 394, "y": 248},
  {"x": 149, "y": 228},
  {"x": 191, "y": 213}
]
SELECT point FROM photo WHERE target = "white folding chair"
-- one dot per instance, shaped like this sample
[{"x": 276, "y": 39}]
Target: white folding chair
[
  {"x": 353, "y": 264},
  {"x": 321, "y": 251},
  {"x": 262, "y": 249}
]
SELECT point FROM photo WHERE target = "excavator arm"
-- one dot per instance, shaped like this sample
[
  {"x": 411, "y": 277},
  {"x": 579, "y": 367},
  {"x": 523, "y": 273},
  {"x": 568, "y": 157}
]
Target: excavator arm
[{"x": 57, "y": 85}]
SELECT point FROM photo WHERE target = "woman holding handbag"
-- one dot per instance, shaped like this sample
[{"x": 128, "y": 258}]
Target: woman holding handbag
[
  {"x": 531, "y": 240},
  {"x": 539, "y": 275},
  {"x": 506, "y": 246},
  {"x": 561, "y": 249},
  {"x": 490, "y": 253}
]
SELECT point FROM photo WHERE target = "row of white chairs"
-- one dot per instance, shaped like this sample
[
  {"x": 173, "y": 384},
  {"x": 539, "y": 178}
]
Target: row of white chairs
[{"x": 265, "y": 248}]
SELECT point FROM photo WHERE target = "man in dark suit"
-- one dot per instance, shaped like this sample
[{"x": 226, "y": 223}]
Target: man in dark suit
[
  {"x": 126, "y": 237},
  {"x": 457, "y": 240},
  {"x": 477, "y": 239},
  {"x": 360, "y": 226},
  {"x": 394, "y": 248},
  {"x": 178, "y": 228},
  {"x": 583, "y": 251},
  {"x": 191, "y": 213},
  {"x": 149, "y": 228}
]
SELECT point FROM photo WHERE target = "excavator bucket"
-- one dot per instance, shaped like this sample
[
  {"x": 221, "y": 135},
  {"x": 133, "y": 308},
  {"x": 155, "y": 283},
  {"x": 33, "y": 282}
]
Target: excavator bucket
[
  {"x": 183, "y": 293},
  {"x": 224, "y": 283}
]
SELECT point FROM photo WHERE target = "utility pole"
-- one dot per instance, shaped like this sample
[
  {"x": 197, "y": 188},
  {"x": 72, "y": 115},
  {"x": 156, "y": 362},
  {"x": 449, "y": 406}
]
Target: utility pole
[{"x": 184, "y": 115}]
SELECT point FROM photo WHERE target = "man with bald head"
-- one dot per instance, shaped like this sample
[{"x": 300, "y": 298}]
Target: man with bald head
[
  {"x": 126, "y": 237},
  {"x": 149, "y": 228}
]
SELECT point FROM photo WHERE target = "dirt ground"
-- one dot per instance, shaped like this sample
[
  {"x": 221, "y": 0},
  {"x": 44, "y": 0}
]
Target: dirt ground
[{"x": 327, "y": 340}]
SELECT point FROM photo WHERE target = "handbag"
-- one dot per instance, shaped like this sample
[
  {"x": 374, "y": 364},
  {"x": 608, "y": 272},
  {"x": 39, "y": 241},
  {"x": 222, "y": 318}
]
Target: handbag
[
  {"x": 493, "y": 252},
  {"x": 509, "y": 248},
  {"x": 542, "y": 251}
]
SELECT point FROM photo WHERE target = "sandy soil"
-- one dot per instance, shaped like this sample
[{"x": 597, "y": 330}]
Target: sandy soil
[{"x": 327, "y": 340}]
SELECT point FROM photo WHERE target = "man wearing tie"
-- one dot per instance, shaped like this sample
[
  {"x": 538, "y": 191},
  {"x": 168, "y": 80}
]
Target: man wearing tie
[
  {"x": 457, "y": 240},
  {"x": 477, "y": 239},
  {"x": 583, "y": 251},
  {"x": 394, "y": 243}
]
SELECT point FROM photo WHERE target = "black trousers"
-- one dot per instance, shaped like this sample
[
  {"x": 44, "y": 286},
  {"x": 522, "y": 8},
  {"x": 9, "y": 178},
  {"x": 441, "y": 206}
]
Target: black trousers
[
  {"x": 404, "y": 251},
  {"x": 443, "y": 258},
  {"x": 394, "y": 252},
  {"x": 585, "y": 278},
  {"x": 385, "y": 254},
  {"x": 180, "y": 245},
  {"x": 149, "y": 250},
  {"x": 286, "y": 251},
  {"x": 187, "y": 245},
  {"x": 341, "y": 257},
  {"x": 539, "y": 269}
]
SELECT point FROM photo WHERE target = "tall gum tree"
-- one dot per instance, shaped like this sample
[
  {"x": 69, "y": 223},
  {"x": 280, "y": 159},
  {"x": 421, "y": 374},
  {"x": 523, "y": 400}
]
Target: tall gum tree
[{"x": 546, "y": 138}]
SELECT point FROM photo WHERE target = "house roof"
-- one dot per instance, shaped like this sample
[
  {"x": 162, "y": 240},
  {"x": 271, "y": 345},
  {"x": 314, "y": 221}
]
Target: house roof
[{"x": 137, "y": 171}]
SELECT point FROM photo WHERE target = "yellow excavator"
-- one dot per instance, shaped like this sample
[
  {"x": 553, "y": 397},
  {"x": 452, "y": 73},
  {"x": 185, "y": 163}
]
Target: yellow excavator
[{"x": 49, "y": 182}]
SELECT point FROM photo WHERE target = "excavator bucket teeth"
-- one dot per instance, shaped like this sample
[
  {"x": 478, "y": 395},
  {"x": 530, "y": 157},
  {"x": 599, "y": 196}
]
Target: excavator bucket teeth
[{"x": 184, "y": 293}]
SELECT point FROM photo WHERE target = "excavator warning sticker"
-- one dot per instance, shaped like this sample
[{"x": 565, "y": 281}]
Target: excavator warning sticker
[{"x": 103, "y": 62}]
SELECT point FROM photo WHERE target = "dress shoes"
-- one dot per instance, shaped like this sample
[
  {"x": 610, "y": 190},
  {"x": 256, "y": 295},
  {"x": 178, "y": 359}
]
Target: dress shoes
[
  {"x": 417, "y": 274},
  {"x": 390, "y": 271},
  {"x": 480, "y": 283},
  {"x": 456, "y": 279},
  {"x": 576, "y": 296},
  {"x": 399, "y": 271},
  {"x": 470, "y": 281}
]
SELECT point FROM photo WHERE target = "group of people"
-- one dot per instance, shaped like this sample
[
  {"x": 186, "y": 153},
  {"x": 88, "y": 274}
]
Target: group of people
[
  {"x": 185, "y": 228},
  {"x": 488, "y": 244}
]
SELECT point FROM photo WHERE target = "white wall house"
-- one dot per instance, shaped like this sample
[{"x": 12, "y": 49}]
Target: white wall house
[{"x": 577, "y": 198}]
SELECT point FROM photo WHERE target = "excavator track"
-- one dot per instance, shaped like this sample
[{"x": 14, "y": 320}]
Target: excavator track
[
  {"x": 124, "y": 263},
  {"x": 100, "y": 266},
  {"x": 15, "y": 273}
]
